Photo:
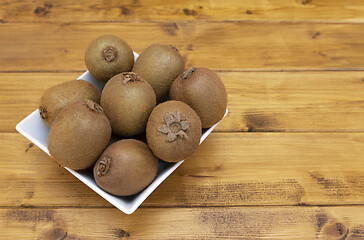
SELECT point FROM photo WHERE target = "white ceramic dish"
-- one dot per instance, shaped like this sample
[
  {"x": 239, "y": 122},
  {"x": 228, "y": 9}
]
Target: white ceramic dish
[{"x": 36, "y": 131}]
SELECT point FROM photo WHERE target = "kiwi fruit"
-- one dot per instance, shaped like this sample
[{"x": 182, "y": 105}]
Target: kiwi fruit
[
  {"x": 128, "y": 101},
  {"x": 125, "y": 168},
  {"x": 203, "y": 90},
  {"x": 54, "y": 99},
  {"x": 78, "y": 135},
  {"x": 159, "y": 65},
  {"x": 173, "y": 131},
  {"x": 107, "y": 56}
]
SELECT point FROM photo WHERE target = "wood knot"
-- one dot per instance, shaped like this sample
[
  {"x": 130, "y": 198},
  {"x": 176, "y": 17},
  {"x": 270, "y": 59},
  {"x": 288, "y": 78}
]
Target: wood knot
[
  {"x": 43, "y": 10},
  {"x": 30, "y": 145},
  {"x": 305, "y": 2},
  {"x": 124, "y": 10},
  {"x": 121, "y": 233},
  {"x": 189, "y": 12},
  {"x": 55, "y": 233},
  {"x": 335, "y": 230}
]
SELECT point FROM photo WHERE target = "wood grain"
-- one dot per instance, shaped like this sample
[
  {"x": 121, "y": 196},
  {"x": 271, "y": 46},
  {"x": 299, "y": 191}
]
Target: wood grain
[
  {"x": 229, "y": 169},
  {"x": 222, "y": 45},
  {"x": 264, "y": 101},
  {"x": 294, "y": 102},
  {"x": 286, "y": 162},
  {"x": 162, "y": 10},
  {"x": 186, "y": 223}
]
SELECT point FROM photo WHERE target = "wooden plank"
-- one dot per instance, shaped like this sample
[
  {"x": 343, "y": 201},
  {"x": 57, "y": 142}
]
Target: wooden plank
[
  {"x": 20, "y": 94},
  {"x": 265, "y": 101},
  {"x": 162, "y": 10},
  {"x": 185, "y": 223},
  {"x": 294, "y": 102},
  {"x": 222, "y": 45},
  {"x": 229, "y": 169}
]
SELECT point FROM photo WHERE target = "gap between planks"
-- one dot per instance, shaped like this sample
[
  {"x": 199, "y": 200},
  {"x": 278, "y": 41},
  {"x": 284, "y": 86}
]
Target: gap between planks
[
  {"x": 347, "y": 21},
  {"x": 247, "y": 70},
  {"x": 181, "y": 206}
]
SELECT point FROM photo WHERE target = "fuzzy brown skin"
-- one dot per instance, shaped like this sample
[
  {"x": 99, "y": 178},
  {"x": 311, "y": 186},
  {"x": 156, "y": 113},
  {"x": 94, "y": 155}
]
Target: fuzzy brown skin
[
  {"x": 159, "y": 65},
  {"x": 54, "y": 99},
  {"x": 204, "y": 91},
  {"x": 131, "y": 168},
  {"x": 127, "y": 105},
  {"x": 79, "y": 134},
  {"x": 180, "y": 148},
  {"x": 103, "y": 66}
]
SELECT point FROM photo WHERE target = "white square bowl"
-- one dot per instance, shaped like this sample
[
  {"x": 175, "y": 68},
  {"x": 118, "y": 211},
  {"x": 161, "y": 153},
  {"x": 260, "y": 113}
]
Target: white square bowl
[{"x": 33, "y": 128}]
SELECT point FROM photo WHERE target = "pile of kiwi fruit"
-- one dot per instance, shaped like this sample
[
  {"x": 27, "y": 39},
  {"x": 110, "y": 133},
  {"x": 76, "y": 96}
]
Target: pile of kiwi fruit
[{"x": 155, "y": 108}]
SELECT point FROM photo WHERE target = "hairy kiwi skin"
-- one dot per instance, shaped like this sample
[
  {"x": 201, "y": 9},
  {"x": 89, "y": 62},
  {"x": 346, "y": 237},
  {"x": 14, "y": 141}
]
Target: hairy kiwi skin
[
  {"x": 78, "y": 135},
  {"x": 125, "y": 168},
  {"x": 203, "y": 90},
  {"x": 158, "y": 131},
  {"x": 107, "y": 56},
  {"x": 54, "y": 99},
  {"x": 159, "y": 65},
  {"x": 128, "y": 103}
]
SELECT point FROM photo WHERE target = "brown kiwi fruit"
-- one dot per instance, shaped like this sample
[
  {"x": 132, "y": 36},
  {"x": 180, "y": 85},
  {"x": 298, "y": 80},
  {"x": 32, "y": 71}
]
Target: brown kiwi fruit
[
  {"x": 128, "y": 101},
  {"x": 78, "y": 135},
  {"x": 54, "y": 99},
  {"x": 159, "y": 65},
  {"x": 125, "y": 168},
  {"x": 173, "y": 131},
  {"x": 107, "y": 56},
  {"x": 203, "y": 90}
]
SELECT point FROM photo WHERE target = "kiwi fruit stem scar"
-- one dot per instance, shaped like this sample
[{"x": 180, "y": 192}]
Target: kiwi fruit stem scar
[
  {"x": 42, "y": 112},
  {"x": 131, "y": 77},
  {"x": 173, "y": 131},
  {"x": 188, "y": 73},
  {"x": 103, "y": 166},
  {"x": 110, "y": 53},
  {"x": 94, "y": 106}
]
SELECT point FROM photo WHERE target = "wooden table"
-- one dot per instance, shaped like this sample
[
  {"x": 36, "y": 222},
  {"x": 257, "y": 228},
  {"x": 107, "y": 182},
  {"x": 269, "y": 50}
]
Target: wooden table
[{"x": 286, "y": 163}]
